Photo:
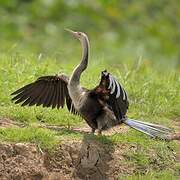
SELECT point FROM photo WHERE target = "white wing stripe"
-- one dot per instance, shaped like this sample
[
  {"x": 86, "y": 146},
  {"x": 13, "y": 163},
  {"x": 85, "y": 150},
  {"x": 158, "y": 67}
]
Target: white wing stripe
[
  {"x": 110, "y": 82},
  {"x": 124, "y": 95},
  {"x": 113, "y": 86},
  {"x": 118, "y": 89}
]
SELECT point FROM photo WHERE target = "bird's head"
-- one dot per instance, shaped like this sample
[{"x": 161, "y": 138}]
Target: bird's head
[
  {"x": 77, "y": 34},
  {"x": 104, "y": 78},
  {"x": 105, "y": 74}
]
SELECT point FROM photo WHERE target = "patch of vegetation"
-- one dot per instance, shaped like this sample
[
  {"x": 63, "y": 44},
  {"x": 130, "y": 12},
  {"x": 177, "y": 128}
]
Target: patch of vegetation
[
  {"x": 46, "y": 139},
  {"x": 152, "y": 158},
  {"x": 69, "y": 134},
  {"x": 161, "y": 175},
  {"x": 153, "y": 95}
]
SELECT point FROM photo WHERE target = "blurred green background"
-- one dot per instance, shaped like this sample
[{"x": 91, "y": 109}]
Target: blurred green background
[{"x": 118, "y": 29}]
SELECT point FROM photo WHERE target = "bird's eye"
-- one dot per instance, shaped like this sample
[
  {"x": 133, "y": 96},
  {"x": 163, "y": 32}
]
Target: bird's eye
[{"x": 79, "y": 33}]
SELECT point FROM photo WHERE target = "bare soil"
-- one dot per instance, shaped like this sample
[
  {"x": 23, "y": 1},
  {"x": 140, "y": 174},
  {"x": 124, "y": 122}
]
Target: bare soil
[
  {"x": 6, "y": 123},
  {"x": 75, "y": 160},
  {"x": 86, "y": 159}
]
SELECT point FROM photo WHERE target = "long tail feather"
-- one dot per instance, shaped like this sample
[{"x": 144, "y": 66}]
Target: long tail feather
[
  {"x": 154, "y": 125},
  {"x": 153, "y": 130}
]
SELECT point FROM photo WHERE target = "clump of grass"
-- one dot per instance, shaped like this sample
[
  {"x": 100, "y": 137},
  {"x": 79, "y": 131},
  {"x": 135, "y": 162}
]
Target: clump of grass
[
  {"x": 46, "y": 139},
  {"x": 69, "y": 134},
  {"x": 140, "y": 159},
  {"x": 161, "y": 175},
  {"x": 177, "y": 170}
]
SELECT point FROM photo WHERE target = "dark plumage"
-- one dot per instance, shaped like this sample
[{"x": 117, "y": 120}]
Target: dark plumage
[{"x": 103, "y": 107}]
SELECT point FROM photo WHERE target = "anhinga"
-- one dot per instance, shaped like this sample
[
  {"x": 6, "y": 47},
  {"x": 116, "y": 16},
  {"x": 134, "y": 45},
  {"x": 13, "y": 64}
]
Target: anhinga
[{"x": 103, "y": 107}]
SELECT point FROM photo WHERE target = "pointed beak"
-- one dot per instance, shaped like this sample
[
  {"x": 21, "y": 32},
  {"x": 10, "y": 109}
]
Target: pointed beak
[{"x": 72, "y": 32}]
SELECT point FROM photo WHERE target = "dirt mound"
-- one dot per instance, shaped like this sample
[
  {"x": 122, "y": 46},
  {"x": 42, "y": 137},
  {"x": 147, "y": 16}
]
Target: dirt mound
[
  {"x": 21, "y": 161},
  {"x": 90, "y": 158},
  {"x": 75, "y": 160}
]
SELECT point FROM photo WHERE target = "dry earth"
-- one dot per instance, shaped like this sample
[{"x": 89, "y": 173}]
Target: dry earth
[
  {"x": 86, "y": 159},
  {"x": 75, "y": 160}
]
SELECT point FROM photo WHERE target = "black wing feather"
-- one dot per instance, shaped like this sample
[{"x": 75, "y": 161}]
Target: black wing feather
[
  {"x": 47, "y": 91},
  {"x": 44, "y": 94},
  {"x": 39, "y": 99},
  {"x": 62, "y": 95},
  {"x": 34, "y": 99},
  {"x": 21, "y": 89},
  {"x": 23, "y": 94},
  {"x": 50, "y": 96},
  {"x": 54, "y": 96},
  {"x": 118, "y": 99},
  {"x": 59, "y": 95}
]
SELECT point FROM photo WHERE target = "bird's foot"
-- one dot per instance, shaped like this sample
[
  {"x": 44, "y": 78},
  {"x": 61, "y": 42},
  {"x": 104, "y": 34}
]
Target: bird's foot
[
  {"x": 99, "y": 132},
  {"x": 92, "y": 131}
]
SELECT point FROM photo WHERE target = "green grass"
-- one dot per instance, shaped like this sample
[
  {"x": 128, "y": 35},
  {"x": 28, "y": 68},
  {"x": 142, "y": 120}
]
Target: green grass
[
  {"x": 46, "y": 139},
  {"x": 166, "y": 174},
  {"x": 153, "y": 93}
]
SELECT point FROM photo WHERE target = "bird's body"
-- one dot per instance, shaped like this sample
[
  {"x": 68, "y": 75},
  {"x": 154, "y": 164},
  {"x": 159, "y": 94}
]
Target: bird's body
[
  {"x": 89, "y": 109},
  {"x": 102, "y": 107}
]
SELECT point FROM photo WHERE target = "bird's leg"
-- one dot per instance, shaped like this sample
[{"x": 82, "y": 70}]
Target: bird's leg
[
  {"x": 99, "y": 132},
  {"x": 93, "y": 130}
]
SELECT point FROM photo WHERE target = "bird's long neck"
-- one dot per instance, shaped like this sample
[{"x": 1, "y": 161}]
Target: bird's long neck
[
  {"x": 76, "y": 92},
  {"x": 75, "y": 77}
]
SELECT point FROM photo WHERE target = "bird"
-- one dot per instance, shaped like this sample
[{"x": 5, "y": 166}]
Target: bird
[{"x": 102, "y": 107}]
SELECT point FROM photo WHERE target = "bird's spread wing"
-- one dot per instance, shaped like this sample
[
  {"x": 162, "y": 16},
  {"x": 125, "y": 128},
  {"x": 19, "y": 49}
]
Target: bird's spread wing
[
  {"x": 48, "y": 91},
  {"x": 118, "y": 99},
  {"x": 113, "y": 94}
]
